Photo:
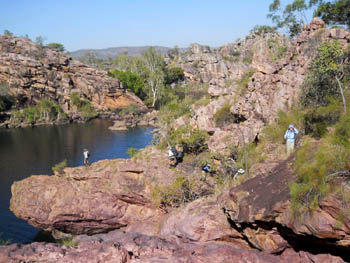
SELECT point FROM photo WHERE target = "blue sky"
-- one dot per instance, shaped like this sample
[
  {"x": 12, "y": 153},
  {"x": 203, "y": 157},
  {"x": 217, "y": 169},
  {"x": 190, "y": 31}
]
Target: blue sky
[{"x": 79, "y": 24}]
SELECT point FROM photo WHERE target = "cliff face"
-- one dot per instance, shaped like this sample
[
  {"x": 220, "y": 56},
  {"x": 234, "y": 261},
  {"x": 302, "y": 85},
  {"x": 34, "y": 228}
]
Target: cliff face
[
  {"x": 256, "y": 76},
  {"x": 31, "y": 72}
]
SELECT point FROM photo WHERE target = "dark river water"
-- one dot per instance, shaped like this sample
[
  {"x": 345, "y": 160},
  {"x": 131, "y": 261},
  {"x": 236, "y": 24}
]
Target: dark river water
[{"x": 29, "y": 151}]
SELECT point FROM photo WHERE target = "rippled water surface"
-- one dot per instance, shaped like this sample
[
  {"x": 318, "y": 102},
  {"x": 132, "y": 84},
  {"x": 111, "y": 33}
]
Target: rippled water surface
[{"x": 24, "y": 152}]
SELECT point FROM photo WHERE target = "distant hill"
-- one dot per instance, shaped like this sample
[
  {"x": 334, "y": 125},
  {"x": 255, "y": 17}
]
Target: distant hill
[{"x": 115, "y": 51}]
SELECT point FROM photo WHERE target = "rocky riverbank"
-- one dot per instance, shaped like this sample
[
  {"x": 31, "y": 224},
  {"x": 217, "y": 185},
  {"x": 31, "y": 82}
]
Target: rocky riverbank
[
  {"x": 42, "y": 85},
  {"x": 250, "y": 222}
]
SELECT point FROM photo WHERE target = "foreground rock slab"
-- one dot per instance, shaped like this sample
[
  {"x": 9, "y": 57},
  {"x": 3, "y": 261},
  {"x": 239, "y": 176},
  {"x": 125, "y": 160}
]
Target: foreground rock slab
[
  {"x": 107, "y": 195},
  {"x": 123, "y": 247}
]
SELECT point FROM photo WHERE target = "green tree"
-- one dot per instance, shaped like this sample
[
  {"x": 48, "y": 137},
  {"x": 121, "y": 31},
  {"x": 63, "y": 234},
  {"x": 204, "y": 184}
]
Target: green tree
[
  {"x": 174, "y": 75},
  {"x": 173, "y": 52},
  {"x": 56, "y": 46},
  {"x": 155, "y": 64},
  {"x": 292, "y": 16},
  {"x": 39, "y": 40},
  {"x": 8, "y": 33},
  {"x": 131, "y": 81},
  {"x": 335, "y": 12},
  {"x": 260, "y": 30},
  {"x": 326, "y": 77}
]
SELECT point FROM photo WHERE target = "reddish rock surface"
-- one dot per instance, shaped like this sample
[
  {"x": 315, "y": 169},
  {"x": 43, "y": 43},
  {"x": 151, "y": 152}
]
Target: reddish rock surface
[
  {"x": 32, "y": 72},
  {"x": 106, "y": 195}
]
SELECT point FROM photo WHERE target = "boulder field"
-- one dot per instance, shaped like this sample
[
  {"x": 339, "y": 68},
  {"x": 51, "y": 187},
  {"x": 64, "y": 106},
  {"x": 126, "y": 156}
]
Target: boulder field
[{"x": 109, "y": 209}]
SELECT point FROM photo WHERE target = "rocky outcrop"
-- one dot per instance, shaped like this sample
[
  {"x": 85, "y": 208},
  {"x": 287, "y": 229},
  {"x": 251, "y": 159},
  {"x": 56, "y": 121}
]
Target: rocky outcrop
[
  {"x": 118, "y": 246},
  {"x": 126, "y": 121},
  {"x": 85, "y": 252},
  {"x": 104, "y": 196},
  {"x": 265, "y": 74},
  {"x": 251, "y": 222},
  {"x": 32, "y": 72},
  {"x": 260, "y": 210}
]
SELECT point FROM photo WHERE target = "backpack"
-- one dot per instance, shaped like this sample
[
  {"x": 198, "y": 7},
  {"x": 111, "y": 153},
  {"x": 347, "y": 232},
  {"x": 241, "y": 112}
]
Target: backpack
[{"x": 174, "y": 151}]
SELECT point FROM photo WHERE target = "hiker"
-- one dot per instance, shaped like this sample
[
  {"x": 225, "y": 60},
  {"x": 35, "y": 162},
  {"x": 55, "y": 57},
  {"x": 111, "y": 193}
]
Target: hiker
[
  {"x": 86, "y": 156},
  {"x": 290, "y": 137},
  {"x": 172, "y": 156},
  {"x": 205, "y": 170}
]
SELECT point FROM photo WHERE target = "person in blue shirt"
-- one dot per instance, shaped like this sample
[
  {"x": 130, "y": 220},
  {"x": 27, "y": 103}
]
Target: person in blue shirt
[{"x": 290, "y": 137}]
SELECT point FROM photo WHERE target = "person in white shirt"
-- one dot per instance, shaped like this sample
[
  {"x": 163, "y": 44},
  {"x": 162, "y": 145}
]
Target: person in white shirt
[
  {"x": 86, "y": 156},
  {"x": 290, "y": 137}
]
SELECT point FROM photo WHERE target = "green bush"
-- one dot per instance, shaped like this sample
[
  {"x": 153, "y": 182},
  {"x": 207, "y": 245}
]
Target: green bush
[
  {"x": 342, "y": 132},
  {"x": 314, "y": 164},
  {"x": 243, "y": 82},
  {"x": 132, "y": 109},
  {"x": 132, "y": 152},
  {"x": 223, "y": 116},
  {"x": 192, "y": 140},
  {"x": 131, "y": 81},
  {"x": 45, "y": 110},
  {"x": 179, "y": 192},
  {"x": 6, "y": 99},
  {"x": 75, "y": 99},
  {"x": 69, "y": 242},
  {"x": 275, "y": 132},
  {"x": 174, "y": 75},
  {"x": 58, "y": 168},
  {"x": 83, "y": 106},
  {"x": 88, "y": 112}
]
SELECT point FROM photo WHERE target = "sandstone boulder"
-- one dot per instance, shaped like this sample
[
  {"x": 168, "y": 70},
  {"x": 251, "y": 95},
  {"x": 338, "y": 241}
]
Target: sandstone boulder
[{"x": 104, "y": 196}]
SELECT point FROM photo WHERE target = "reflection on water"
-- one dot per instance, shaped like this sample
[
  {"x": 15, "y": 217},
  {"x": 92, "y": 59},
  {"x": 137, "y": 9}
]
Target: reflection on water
[{"x": 24, "y": 152}]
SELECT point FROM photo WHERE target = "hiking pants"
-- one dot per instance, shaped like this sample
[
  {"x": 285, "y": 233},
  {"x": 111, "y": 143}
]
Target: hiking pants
[{"x": 290, "y": 147}]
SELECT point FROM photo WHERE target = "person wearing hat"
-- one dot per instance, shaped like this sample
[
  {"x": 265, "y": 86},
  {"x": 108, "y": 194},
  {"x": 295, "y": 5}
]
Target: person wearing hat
[{"x": 290, "y": 137}]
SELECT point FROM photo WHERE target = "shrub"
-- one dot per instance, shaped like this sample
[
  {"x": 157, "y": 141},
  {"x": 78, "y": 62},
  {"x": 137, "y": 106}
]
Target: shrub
[
  {"x": 83, "y": 106},
  {"x": 174, "y": 75},
  {"x": 58, "y": 168},
  {"x": 192, "y": 140},
  {"x": 342, "y": 132},
  {"x": 243, "y": 82},
  {"x": 248, "y": 58},
  {"x": 4, "y": 242},
  {"x": 6, "y": 99},
  {"x": 275, "y": 132},
  {"x": 260, "y": 30},
  {"x": 179, "y": 192},
  {"x": 56, "y": 46},
  {"x": 131, "y": 81},
  {"x": 132, "y": 152},
  {"x": 75, "y": 99},
  {"x": 131, "y": 109},
  {"x": 223, "y": 116},
  {"x": 69, "y": 242},
  {"x": 314, "y": 164},
  {"x": 88, "y": 112}
]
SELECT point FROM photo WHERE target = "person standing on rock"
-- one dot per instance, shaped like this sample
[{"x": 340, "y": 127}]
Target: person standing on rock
[
  {"x": 86, "y": 156},
  {"x": 290, "y": 137}
]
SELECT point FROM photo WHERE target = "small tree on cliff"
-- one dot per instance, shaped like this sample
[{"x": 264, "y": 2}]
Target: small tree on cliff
[{"x": 326, "y": 78}]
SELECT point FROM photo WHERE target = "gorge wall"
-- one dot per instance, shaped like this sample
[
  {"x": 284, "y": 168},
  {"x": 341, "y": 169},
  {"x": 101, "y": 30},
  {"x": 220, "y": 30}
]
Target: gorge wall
[
  {"x": 256, "y": 76},
  {"x": 30, "y": 72}
]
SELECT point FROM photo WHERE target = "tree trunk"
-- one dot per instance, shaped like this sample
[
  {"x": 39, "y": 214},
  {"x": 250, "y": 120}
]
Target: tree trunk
[{"x": 341, "y": 92}]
